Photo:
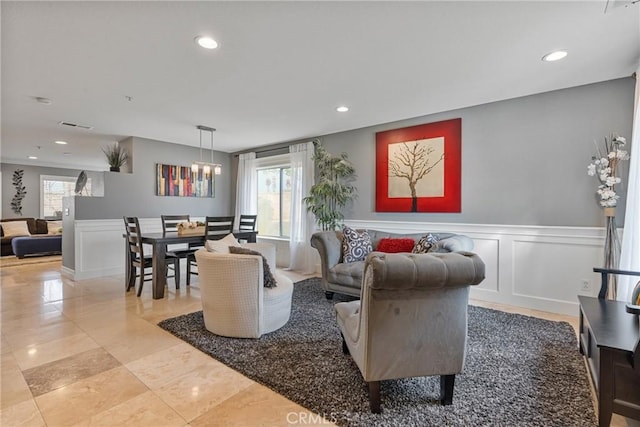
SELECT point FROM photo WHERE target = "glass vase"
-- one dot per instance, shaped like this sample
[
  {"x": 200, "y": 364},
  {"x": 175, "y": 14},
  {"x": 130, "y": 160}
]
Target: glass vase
[{"x": 611, "y": 250}]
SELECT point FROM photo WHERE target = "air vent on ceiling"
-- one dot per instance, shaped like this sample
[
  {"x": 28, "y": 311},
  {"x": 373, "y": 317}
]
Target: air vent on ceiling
[{"x": 75, "y": 125}]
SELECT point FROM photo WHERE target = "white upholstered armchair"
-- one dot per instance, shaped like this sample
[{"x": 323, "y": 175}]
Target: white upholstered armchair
[
  {"x": 235, "y": 302},
  {"x": 411, "y": 320}
]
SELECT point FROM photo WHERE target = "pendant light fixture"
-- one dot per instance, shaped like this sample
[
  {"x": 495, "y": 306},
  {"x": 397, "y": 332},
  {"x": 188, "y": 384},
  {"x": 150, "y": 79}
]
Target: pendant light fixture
[{"x": 206, "y": 166}]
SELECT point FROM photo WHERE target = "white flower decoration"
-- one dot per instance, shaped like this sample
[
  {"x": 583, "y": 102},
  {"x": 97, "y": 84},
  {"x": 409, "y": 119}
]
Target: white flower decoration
[
  {"x": 623, "y": 155},
  {"x": 605, "y": 168}
]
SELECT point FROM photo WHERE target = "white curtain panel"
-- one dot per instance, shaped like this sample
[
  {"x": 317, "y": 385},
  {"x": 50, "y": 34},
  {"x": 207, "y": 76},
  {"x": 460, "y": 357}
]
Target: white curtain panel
[
  {"x": 247, "y": 187},
  {"x": 630, "y": 253},
  {"x": 302, "y": 222}
]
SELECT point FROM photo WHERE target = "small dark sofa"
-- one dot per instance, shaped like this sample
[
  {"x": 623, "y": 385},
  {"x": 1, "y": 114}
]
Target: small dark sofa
[{"x": 39, "y": 242}]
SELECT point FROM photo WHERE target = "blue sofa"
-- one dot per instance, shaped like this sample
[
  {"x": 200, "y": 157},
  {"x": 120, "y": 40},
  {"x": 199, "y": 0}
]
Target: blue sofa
[{"x": 37, "y": 243}]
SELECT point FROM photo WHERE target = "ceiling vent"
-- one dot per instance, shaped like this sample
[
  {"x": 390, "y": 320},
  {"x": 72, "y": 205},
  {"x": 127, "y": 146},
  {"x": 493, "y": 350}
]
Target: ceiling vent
[{"x": 75, "y": 125}]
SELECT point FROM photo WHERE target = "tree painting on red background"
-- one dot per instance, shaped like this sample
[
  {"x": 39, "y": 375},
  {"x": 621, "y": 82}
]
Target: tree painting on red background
[
  {"x": 409, "y": 163},
  {"x": 418, "y": 168}
]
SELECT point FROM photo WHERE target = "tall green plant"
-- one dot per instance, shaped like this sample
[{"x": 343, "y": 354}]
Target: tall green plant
[{"x": 333, "y": 189}]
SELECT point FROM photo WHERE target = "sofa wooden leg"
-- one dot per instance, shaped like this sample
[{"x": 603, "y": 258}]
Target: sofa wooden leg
[
  {"x": 345, "y": 349},
  {"x": 329, "y": 295},
  {"x": 374, "y": 396},
  {"x": 446, "y": 389}
]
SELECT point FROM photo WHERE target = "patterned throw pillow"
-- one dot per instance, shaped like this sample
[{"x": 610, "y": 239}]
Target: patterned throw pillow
[
  {"x": 356, "y": 245},
  {"x": 391, "y": 246},
  {"x": 427, "y": 243},
  {"x": 269, "y": 281}
]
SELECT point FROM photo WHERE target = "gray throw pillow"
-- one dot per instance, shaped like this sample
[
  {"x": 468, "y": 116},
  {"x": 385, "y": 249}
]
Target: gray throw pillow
[
  {"x": 427, "y": 243},
  {"x": 269, "y": 280},
  {"x": 356, "y": 245}
]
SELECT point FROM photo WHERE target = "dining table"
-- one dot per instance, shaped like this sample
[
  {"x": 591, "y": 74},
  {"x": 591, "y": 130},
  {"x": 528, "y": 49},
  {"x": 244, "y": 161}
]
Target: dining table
[{"x": 159, "y": 242}]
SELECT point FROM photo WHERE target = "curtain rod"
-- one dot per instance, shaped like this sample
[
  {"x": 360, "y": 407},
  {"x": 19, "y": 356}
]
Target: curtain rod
[{"x": 286, "y": 147}]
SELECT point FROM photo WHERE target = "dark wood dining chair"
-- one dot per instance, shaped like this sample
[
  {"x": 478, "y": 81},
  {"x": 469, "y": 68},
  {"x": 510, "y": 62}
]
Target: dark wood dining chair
[
  {"x": 247, "y": 223},
  {"x": 170, "y": 223},
  {"x": 216, "y": 227},
  {"x": 136, "y": 258}
]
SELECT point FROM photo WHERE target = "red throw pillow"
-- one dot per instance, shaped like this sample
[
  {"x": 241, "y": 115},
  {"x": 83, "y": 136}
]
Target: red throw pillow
[{"x": 392, "y": 246}]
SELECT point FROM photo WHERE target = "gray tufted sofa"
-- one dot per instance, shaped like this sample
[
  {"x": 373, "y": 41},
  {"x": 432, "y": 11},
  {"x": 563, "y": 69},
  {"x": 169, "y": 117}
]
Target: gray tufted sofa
[{"x": 346, "y": 278}]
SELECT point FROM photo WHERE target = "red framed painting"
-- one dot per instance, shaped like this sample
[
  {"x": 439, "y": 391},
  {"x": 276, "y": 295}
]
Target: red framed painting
[{"x": 418, "y": 168}]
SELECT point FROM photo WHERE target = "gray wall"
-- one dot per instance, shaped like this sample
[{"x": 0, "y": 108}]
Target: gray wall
[
  {"x": 31, "y": 180},
  {"x": 133, "y": 194},
  {"x": 524, "y": 161},
  {"x": 68, "y": 237}
]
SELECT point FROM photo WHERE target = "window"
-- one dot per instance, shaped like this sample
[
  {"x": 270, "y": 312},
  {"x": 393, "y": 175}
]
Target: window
[
  {"x": 274, "y": 201},
  {"x": 52, "y": 190}
]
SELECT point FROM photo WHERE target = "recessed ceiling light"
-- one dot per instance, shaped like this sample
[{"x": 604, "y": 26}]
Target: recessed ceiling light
[
  {"x": 61, "y": 142},
  {"x": 206, "y": 42},
  {"x": 342, "y": 109},
  {"x": 554, "y": 56},
  {"x": 32, "y": 158}
]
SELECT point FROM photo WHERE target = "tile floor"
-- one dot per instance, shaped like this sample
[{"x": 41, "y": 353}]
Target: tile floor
[{"x": 87, "y": 354}]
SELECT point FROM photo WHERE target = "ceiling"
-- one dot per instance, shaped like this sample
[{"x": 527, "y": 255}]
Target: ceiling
[{"x": 282, "y": 68}]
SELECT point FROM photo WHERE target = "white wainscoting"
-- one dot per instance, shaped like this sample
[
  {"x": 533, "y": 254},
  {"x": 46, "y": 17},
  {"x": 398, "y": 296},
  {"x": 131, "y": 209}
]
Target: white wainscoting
[
  {"x": 100, "y": 246},
  {"x": 536, "y": 267},
  {"x": 541, "y": 268}
]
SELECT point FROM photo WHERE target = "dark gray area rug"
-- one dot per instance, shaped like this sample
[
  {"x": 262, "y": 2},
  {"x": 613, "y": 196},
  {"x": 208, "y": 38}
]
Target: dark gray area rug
[{"x": 519, "y": 371}]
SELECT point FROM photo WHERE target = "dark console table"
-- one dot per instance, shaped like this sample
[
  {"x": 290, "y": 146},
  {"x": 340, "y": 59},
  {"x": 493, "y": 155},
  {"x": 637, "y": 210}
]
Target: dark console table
[{"x": 610, "y": 340}]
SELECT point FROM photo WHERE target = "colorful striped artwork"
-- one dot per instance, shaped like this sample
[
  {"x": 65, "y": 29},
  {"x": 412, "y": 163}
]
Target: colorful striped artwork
[{"x": 180, "y": 181}]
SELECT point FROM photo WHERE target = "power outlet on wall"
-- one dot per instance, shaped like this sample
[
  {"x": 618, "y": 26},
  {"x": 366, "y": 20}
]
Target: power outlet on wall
[{"x": 585, "y": 285}]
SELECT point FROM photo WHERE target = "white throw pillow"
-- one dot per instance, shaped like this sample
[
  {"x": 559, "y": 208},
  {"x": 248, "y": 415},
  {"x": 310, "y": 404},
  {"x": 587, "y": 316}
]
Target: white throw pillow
[
  {"x": 15, "y": 228},
  {"x": 222, "y": 246},
  {"x": 54, "y": 227}
]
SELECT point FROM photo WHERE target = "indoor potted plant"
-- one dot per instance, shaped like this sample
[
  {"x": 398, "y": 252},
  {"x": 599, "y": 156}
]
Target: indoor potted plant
[
  {"x": 333, "y": 189},
  {"x": 116, "y": 156}
]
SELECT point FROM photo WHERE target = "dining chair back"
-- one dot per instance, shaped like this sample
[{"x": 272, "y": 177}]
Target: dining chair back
[
  {"x": 216, "y": 227},
  {"x": 135, "y": 250},
  {"x": 247, "y": 223},
  {"x": 134, "y": 243},
  {"x": 170, "y": 222},
  {"x": 137, "y": 260}
]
